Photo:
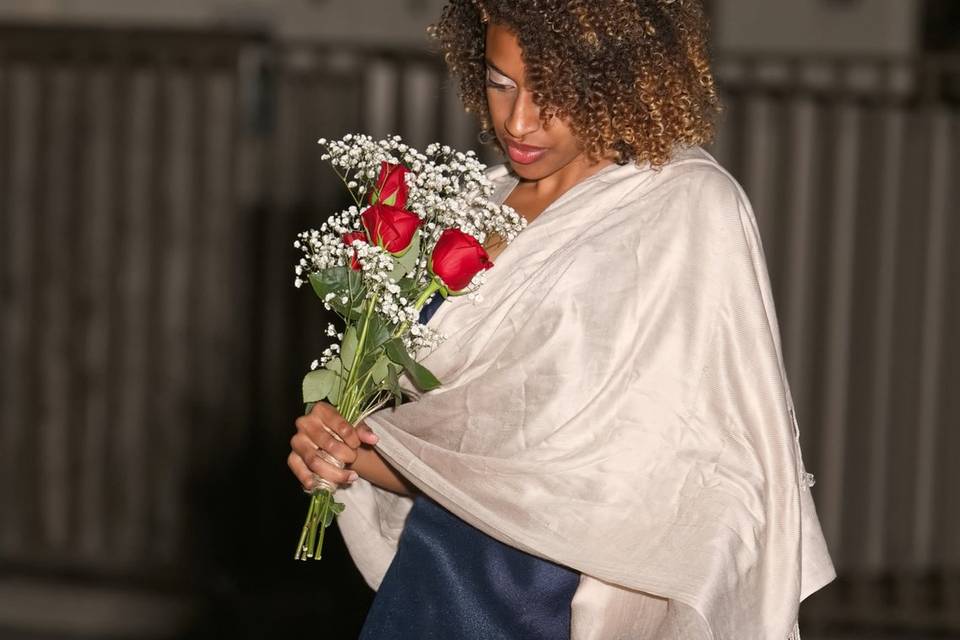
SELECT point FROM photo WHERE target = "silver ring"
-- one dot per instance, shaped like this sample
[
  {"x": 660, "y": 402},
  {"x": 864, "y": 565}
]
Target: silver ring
[
  {"x": 323, "y": 455},
  {"x": 320, "y": 484}
]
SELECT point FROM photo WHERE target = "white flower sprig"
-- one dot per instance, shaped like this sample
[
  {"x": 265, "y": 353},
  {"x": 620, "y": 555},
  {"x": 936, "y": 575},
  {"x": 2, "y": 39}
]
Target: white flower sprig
[
  {"x": 422, "y": 236},
  {"x": 447, "y": 188}
]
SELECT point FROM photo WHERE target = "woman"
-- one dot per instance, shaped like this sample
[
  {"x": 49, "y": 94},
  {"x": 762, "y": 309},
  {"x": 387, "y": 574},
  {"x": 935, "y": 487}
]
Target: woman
[{"x": 613, "y": 452}]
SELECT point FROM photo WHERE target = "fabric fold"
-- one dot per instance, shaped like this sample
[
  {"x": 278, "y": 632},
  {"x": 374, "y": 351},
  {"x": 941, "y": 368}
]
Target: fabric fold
[{"x": 617, "y": 403}]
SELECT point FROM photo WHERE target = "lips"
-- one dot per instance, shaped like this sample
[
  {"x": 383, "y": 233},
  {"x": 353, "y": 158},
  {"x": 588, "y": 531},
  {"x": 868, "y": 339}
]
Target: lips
[{"x": 524, "y": 153}]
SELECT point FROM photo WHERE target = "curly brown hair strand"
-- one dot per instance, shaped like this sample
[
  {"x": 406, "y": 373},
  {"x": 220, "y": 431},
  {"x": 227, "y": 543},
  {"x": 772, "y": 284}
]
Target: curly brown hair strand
[{"x": 630, "y": 76}]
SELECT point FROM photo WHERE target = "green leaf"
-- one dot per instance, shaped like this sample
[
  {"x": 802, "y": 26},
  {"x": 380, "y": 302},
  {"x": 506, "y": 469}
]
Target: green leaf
[
  {"x": 405, "y": 262},
  {"x": 334, "y": 395},
  {"x": 348, "y": 346},
  {"x": 328, "y": 517},
  {"x": 333, "y": 280},
  {"x": 340, "y": 281},
  {"x": 335, "y": 365},
  {"x": 393, "y": 383},
  {"x": 409, "y": 287},
  {"x": 337, "y": 507},
  {"x": 379, "y": 369},
  {"x": 317, "y": 385},
  {"x": 377, "y": 333},
  {"x": 419, "y": 374}
]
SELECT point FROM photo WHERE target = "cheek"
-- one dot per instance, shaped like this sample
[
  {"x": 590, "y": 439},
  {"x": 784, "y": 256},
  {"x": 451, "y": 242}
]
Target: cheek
[
  {"x": 564, "y": 136},
  {"x": 496, "y": 107},
  {"x": 491, "y": 103}
]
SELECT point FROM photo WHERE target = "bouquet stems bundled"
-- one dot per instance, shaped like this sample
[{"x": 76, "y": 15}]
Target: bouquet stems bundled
[{"x": 416, "y": 230}]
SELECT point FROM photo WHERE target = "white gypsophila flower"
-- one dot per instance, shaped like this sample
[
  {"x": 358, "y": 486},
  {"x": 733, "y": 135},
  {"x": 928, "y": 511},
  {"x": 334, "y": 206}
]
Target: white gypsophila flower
[
  {"x": 421, "y": 339},
  {"x": 444, "y": 185},
  {"x": 446, "y": 189}
]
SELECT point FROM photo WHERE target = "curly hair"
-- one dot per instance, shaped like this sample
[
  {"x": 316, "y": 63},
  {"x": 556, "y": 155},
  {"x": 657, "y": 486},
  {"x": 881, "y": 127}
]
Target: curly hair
[{"x": 630, "y": 76}]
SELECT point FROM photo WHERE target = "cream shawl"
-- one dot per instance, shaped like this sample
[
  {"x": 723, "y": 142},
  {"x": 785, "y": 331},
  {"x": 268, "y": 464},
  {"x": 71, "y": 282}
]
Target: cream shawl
[{"x": 617, "y": 403}]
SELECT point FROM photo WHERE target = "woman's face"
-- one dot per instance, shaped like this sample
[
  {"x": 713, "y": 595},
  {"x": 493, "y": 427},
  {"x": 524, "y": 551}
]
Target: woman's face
[{"x": 536, "y": 150}]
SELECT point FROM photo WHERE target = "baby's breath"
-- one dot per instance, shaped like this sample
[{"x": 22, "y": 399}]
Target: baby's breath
[
  {"x": 363, "y": 282},
  {"x": 446, "y": 189}
]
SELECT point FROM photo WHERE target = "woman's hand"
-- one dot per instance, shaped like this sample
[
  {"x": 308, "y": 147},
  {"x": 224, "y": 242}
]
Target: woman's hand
[{"x": 325, "y": 445}]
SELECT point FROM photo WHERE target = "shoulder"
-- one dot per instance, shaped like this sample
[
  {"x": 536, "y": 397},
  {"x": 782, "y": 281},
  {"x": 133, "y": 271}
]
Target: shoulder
[
  {"x": 688, "y": 215},
  {"x": 695, "y": 192},
  {"x": 693, "y": 174}
]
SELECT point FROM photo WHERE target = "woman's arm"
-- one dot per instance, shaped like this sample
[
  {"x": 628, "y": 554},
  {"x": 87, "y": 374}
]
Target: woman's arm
[
  {"x": 328, "y": 446},
  {"x": 373, "y": 468}
]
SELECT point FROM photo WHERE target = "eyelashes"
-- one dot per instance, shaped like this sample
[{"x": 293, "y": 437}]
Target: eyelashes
[{"x": 492, "y": 81}]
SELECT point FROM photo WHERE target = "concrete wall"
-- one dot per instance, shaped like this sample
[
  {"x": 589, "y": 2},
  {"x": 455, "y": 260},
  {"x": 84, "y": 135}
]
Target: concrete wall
[
  {"x": 839, "y": 26},
  {"x": 820, "y": 26},
  {"x": 388, "y": 21}
]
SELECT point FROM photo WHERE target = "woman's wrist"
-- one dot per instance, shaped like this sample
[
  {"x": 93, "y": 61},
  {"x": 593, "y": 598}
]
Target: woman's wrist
[{"x": 372, "y": 467}]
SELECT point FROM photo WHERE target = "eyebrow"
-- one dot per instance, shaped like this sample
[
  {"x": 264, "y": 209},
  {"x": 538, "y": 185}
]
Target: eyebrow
[{"x": 497, "y": 69}]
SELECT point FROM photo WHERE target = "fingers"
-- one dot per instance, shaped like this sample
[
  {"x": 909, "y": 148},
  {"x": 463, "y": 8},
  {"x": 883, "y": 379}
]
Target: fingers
[
  {"x": 305, "y": 469},
  {"x": 323, "y": 444},
  {"x": 300, "y": 470},
  {"x": 335, "y": 423},
  {"x": 308, "y": 476},
  {"x": 317, "y": 436},
  {"x": 366, "y": 435},
  {"x": 306, "y": 447}
]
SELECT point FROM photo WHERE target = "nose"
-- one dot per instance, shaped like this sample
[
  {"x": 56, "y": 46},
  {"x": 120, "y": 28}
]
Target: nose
[{"x": 524, "y": 117}]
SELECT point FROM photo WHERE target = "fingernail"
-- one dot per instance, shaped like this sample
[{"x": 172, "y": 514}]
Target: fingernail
[{"x": 353, "y": 476}]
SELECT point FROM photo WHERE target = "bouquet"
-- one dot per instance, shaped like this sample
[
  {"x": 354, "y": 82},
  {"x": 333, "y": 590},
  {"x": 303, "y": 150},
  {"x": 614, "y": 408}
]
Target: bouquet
[{"x": 416, "y": 230}]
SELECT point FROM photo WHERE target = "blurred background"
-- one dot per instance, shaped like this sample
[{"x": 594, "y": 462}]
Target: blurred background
[{"x": 156, "y": 162}]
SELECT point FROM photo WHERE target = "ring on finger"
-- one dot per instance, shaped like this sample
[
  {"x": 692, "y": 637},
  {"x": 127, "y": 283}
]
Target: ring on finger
[
  {"x": 323, "y": 455},
  {"x": 320, "y": 484}
]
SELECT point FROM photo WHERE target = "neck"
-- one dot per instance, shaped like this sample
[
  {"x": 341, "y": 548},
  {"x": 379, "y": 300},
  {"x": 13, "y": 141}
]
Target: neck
[{"x": 551, "y": 187}]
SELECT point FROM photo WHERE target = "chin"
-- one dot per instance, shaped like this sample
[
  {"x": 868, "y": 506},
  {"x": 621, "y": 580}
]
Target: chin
[{"x": 532, "y": 171}]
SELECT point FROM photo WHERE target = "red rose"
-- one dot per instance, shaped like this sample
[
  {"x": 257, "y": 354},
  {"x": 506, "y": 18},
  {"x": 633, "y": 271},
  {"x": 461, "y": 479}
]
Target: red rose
[
  {"x": 457, "y": 258},
  {"x": 390, "y": 227},
  {"x": 390, "y": 188},
  {"x": 348, "y": 239}
]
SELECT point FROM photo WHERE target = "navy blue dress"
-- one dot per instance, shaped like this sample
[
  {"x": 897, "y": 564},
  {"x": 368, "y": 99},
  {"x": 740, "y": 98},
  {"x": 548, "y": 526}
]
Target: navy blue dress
[{"x": 450, "y": 581}]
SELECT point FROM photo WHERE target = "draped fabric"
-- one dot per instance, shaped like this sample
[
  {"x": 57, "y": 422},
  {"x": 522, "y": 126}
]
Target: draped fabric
[
  {"x": 617, "y": 403},
  {"x": 450, "y": 580}
]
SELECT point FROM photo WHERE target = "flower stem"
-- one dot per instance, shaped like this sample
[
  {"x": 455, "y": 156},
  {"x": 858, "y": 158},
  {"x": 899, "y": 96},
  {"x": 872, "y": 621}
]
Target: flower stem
[
  {"x": 325, "y": 499},
  {"x": 348, "y": 408},
  {"x": 301, "y": 550},
  {"x": 310, "y": 544},
  {"x": 343, "y": 179},
  {"x": 321, "y": 508},
  {"x": 431, "y": 289}
]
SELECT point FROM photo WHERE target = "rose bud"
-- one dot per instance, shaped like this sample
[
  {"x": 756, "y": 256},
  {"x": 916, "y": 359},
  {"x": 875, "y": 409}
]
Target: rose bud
[
  {"x": 348, "y": 239},
  {"x": 391, "y": 187},
  {"x": 390, "y": 227},
  {"x": 457, "y": 258}
]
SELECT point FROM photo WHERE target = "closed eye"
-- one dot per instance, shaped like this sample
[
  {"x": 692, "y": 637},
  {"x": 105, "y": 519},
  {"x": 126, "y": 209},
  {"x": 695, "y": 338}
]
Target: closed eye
[{"x": 499, "y": 81}]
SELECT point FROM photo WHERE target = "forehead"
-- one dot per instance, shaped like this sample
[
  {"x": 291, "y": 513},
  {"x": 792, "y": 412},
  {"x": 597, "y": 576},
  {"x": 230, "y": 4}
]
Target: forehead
[{"x": 503, "y": 49}]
